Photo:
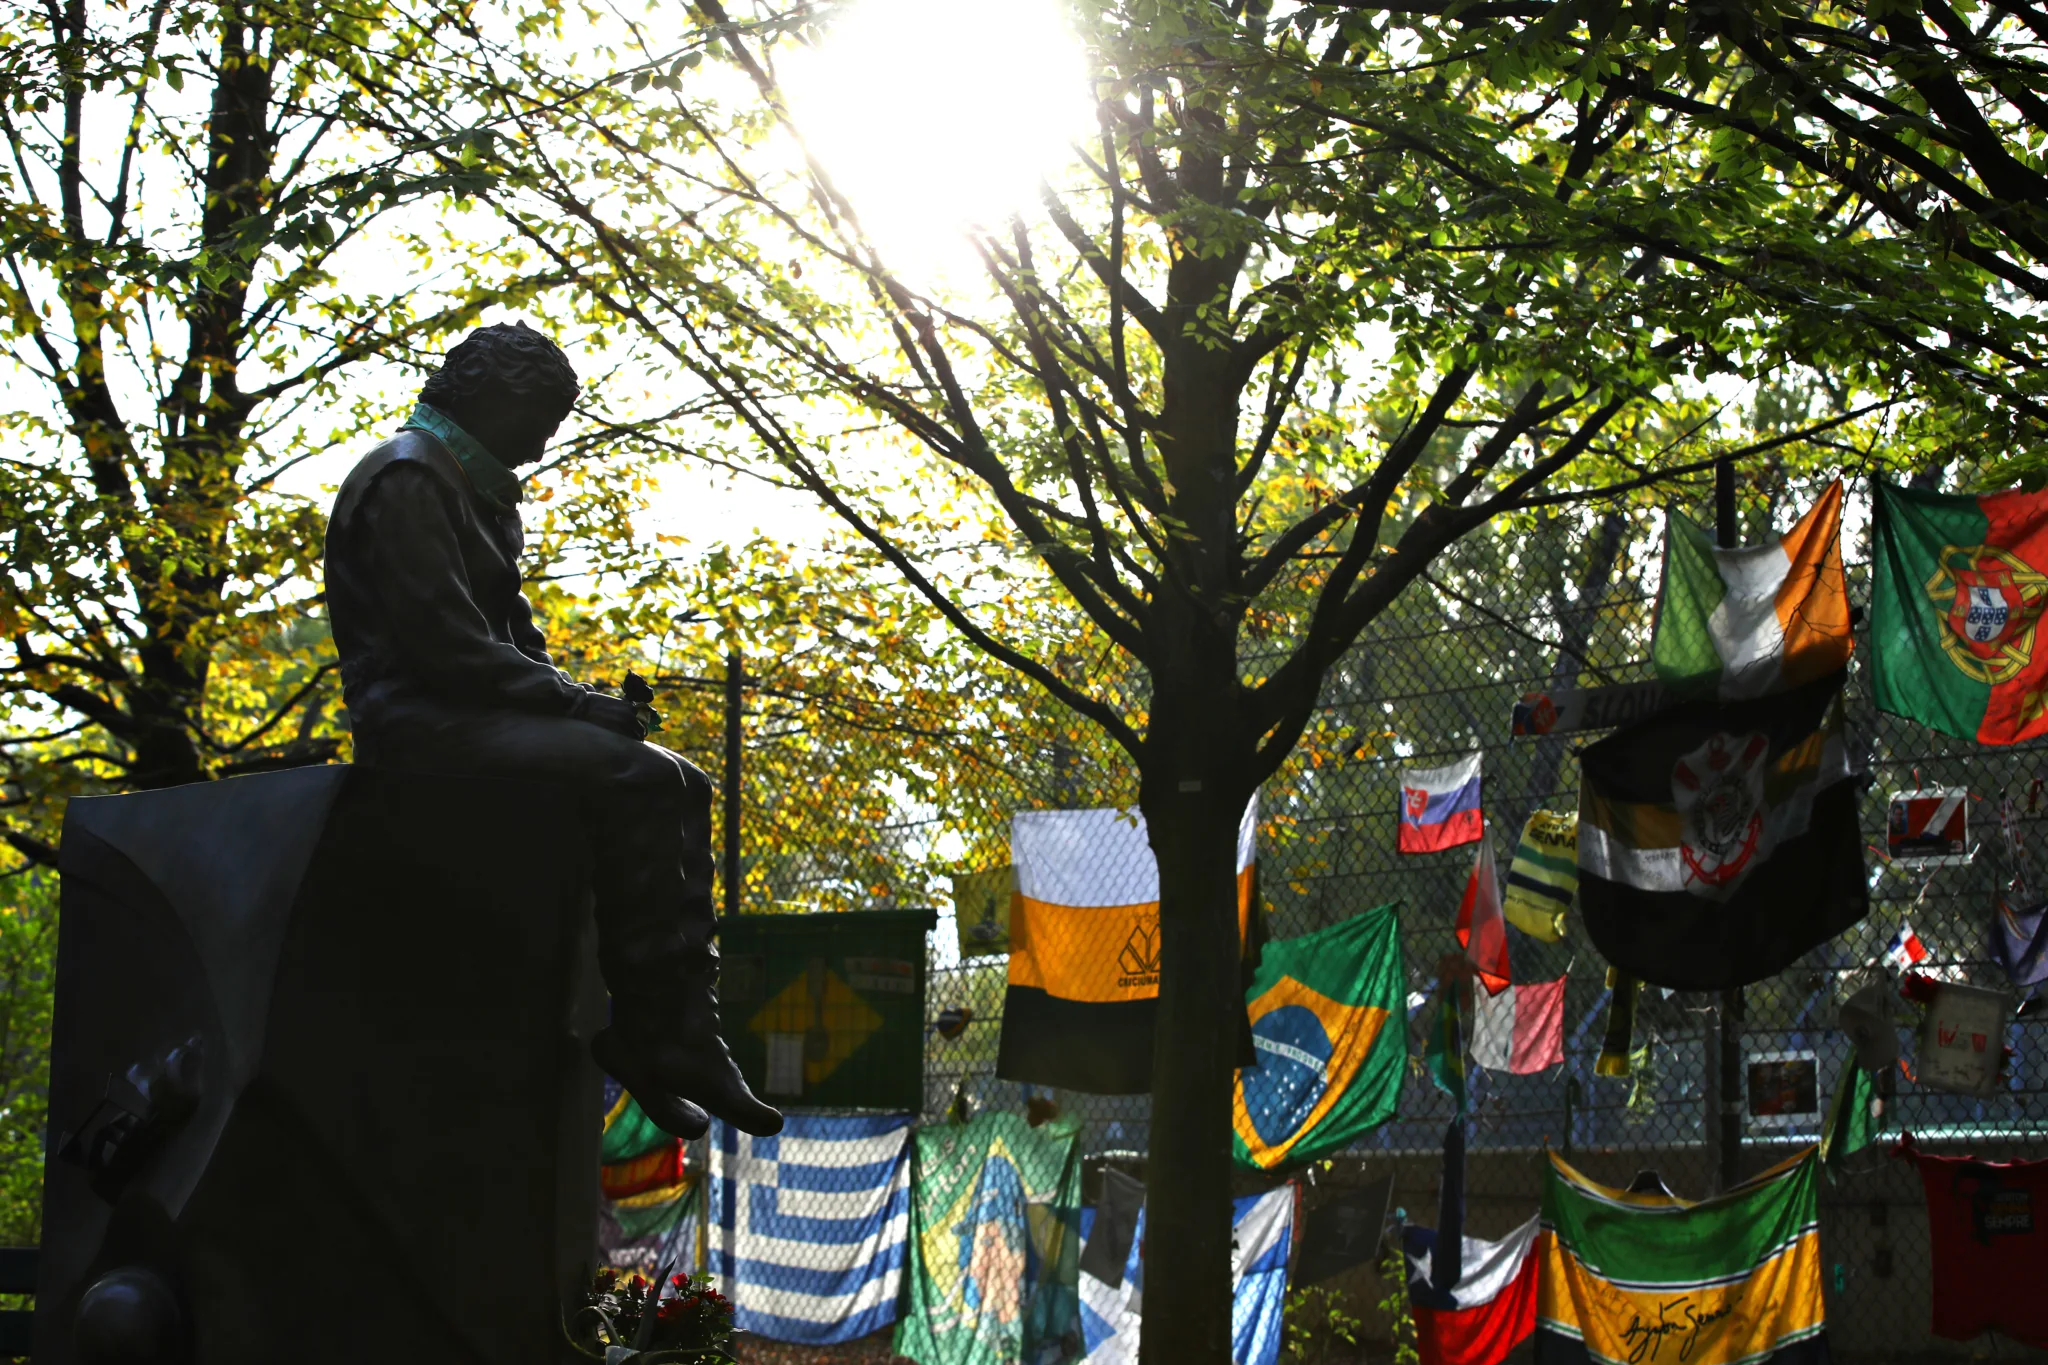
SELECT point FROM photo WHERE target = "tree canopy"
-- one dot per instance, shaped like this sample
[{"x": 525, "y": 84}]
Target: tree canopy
[
  {"x": 1162, "y": 392},
  {"x": 1918, "y": 124},
  {"x": 1322, "y": 297},
  {"x": 1329, "y": 288},
  {"x": 196, "y": 195}
]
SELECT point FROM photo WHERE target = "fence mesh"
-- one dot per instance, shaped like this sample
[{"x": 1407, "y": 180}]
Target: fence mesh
[{"x": 1554, "y": 601}]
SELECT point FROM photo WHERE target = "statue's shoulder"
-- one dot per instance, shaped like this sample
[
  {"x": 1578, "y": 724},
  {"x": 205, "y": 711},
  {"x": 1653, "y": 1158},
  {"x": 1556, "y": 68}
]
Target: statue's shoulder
[{"x": 409, "y": 447}]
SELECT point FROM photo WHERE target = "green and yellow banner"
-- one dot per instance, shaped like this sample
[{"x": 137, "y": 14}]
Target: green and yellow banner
[
  {"x": 995, "y": 1242},
  {"x": 1652, "y": 1279}
]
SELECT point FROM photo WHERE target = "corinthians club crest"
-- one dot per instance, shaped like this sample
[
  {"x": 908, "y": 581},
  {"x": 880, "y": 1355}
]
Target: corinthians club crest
[
  {"x": 1991, "y": 601},
  {"x": 1719, "y": 791}
]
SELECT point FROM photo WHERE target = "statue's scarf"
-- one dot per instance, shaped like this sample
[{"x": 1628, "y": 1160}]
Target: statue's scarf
[{"x": 498, "y": 485}]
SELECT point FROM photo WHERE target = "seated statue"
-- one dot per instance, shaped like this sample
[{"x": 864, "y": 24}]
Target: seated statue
[{"x": 444, "y": 670}]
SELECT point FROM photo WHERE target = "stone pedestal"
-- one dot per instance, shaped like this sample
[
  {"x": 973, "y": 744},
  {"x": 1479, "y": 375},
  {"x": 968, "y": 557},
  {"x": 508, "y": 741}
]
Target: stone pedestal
[{"x": 320, "y": 1089}]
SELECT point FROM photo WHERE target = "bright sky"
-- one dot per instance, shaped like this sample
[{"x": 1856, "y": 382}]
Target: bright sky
[{"x": 935, "y": 116}]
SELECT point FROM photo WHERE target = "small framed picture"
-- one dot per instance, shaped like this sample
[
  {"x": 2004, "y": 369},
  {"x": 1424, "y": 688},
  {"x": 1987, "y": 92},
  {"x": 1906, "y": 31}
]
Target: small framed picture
[
  {"x": 1783, "y": 1089},
  {"x": 1929, "y": 828}
]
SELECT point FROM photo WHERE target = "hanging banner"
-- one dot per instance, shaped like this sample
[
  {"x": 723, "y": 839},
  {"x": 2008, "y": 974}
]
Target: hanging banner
[
  {"x": 1565, "y": 710},
  {"x": 981, "y": 910},
  {"x": 995, "y": 1217},
  {"x": 828, "y": 1010},
  {"x": 1653, "y": 1279}
]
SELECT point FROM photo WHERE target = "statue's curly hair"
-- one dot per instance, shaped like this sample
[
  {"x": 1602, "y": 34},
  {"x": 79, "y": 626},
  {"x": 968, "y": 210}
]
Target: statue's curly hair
[{"x": 504, "y": 361}]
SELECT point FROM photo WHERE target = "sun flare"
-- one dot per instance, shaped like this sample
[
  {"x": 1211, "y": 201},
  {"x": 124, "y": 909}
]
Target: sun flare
[{"x": 939, "y": 116}]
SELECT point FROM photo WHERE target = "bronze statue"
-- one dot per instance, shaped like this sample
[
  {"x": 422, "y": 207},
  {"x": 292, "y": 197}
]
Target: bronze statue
[{"x": 445, "y": 671}]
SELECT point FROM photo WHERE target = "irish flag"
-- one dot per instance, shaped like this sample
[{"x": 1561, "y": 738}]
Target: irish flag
[
  {"x": 1956, "y": 595},
  {"x": 1735, "y": 624}
]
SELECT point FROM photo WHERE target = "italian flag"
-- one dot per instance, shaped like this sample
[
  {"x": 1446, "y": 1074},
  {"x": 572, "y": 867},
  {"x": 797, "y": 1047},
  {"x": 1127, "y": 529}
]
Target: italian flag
[
  {"x": 1957, "y": 591},
  {"x": 1734, "y": 624}
]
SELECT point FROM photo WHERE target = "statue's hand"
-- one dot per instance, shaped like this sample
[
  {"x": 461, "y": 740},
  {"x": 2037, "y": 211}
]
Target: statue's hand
[
  {"x": 613, "y": 713},
  {"x": 636, "y": 691}
]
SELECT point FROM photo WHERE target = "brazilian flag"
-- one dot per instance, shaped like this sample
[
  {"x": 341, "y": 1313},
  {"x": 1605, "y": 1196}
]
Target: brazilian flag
[{"x": 1328, "y": 1029}]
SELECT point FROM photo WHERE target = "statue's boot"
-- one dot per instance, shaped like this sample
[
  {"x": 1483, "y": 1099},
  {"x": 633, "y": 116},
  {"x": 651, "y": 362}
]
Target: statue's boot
[
  {"x": 664, "y": 1046},
  {"x": 655, "y": 924}
]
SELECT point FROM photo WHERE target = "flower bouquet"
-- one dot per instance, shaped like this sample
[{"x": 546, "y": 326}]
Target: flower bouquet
[{"x": 670, "y": 1320}]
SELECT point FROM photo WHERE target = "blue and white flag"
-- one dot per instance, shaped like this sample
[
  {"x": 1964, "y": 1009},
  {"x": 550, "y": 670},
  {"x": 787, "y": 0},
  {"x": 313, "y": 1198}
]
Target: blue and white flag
[
  {"x": 2019, "y": 940},
  {"x": 1262, "y": 1231},
  {"x": 809, "y": 1227}
]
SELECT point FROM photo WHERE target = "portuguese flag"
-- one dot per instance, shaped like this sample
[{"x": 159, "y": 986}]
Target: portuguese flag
[
  {"x": 1959, "y": 586},
  {"x": 1732, "y": 1280}
]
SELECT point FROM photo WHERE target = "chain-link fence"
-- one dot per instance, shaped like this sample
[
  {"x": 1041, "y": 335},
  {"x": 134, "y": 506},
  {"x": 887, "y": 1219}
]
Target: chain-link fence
[{"x": 1556, "y": 601}]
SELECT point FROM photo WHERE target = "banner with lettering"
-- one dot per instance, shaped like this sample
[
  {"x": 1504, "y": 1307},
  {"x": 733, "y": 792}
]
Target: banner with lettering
[{"x": 1652, "y": 1279}]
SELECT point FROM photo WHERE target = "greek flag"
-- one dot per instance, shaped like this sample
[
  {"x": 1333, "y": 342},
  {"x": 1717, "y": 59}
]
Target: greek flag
[{"x": 809, "y": 1227}]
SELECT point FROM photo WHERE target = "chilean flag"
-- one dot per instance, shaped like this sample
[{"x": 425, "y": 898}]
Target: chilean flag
[
  {"x": 1440, "y": 807},
  {"x": 1473, "y": 1301},
  {"x": 1496, "y": 1302}
]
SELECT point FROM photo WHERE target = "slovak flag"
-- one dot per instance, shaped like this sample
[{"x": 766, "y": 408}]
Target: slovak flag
[
  {"x": 1905, "y": 950},
  {"x": 1440, "y": 807}
]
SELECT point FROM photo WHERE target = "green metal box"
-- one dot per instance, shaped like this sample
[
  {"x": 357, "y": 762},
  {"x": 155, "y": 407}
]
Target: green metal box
[{"x": 827, "y": 1010}]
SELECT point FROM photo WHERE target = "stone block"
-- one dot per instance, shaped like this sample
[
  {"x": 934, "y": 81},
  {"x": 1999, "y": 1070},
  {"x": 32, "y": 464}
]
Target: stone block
[{"x": 319, "y": 1076}]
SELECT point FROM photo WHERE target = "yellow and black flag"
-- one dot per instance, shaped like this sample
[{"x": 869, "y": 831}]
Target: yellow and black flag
[{"x": 1084, "y": 949}]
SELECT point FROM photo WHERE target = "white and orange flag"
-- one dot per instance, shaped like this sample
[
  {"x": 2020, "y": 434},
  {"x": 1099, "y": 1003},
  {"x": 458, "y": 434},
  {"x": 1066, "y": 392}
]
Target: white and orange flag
[{"x": 1740, "y": 623}]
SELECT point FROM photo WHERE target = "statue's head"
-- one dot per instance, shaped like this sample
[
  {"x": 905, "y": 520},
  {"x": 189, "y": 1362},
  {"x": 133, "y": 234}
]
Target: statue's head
[{"x": 507, "y": 385}]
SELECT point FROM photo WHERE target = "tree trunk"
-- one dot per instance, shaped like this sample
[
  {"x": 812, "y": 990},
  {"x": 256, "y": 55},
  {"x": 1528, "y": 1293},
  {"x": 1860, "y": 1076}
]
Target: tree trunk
[
  {"x": 204, "y": 438},
  {"x": 1195, "y": 777},
  {"x": 1187, "y": 1175},
  {"x": 1193, "y": 794}
]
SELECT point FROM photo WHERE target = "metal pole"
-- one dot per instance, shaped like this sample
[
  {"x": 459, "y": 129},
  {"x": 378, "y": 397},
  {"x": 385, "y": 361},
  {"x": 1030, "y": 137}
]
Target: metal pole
[
  {"x": 735, "y": 695},
  {"x": 1729, "y": 1091}
]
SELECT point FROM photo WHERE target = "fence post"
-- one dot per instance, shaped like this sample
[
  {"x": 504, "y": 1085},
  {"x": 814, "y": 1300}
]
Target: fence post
[
  {"x": 1729, "y": 1091},
  {"x": 735, "y": 680}
]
